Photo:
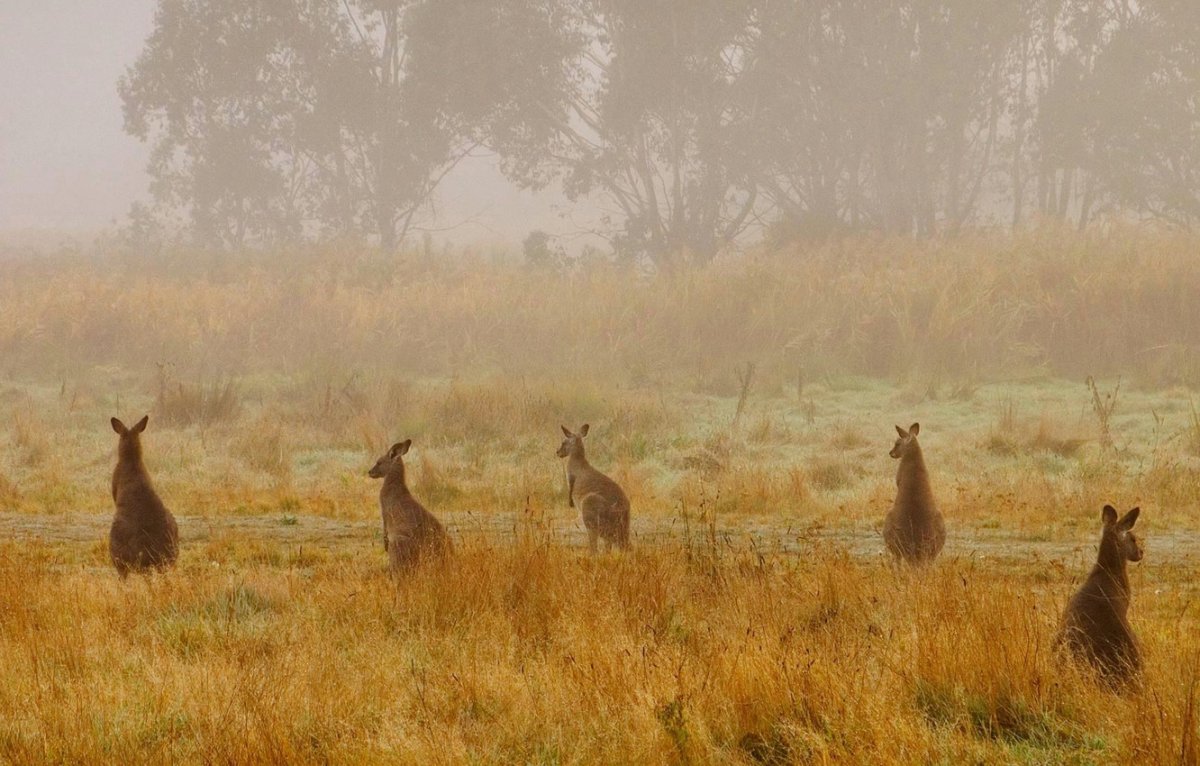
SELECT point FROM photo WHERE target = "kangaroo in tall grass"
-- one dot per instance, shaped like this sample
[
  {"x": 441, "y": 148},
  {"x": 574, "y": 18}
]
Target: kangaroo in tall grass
[
  {"x": 143, "y": 535},
  {"x": 410, "y": 532},
  {"x": 1095, "y": 627},
  {"x": 913, "y": 530},
  {"x": 602, "y": 503}
]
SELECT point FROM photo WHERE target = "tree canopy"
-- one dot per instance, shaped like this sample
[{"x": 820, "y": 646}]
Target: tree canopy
[{"x": 687, "y": 123}]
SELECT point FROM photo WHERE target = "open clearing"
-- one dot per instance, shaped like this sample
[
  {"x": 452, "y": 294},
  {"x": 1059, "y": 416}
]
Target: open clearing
[
  {"x": 763, "y": 535},
  {"x": 755, "y": 621}
]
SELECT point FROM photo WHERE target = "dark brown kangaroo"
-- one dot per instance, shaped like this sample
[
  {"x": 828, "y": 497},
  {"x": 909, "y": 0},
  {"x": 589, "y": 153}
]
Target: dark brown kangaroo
[
  {"x": 913, "y": 530},
  {"x": 602, "y": 503},
  {"x": 410, "y": 532},
  {"x": 1096, "y": 626},
  {"x": 144, "y": 535}
]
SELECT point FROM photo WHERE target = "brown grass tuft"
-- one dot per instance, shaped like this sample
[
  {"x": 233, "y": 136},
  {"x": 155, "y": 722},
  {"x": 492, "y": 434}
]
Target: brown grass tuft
[{"x": 178, "y": 403}]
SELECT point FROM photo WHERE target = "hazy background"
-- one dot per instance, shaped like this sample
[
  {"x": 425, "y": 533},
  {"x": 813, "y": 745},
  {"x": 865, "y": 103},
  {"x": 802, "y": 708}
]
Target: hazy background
[
  {"x": 65, "y": 162},
  {"x": 656, "y": 129},
  {"x": 68, "y": 170},
  {"x": 814, "y": 221}
]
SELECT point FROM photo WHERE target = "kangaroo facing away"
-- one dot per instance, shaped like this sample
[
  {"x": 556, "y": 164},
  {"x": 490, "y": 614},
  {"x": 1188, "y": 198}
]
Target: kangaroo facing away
[
  {"x": 143, "y": 535},
  {"x": 1096, "y": 627},
  {"x": 913, "y": 530},
  {"x": 410, "y": 532},
  {"x": 602, "y": 503}
]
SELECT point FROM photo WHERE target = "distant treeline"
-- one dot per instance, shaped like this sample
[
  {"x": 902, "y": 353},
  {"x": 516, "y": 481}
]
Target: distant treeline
[{"x": 689, "y": 122}]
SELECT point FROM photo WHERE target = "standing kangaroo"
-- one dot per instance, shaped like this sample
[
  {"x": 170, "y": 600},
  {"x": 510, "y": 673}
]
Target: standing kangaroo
[
  {"x": 409, "y": 531},
  {"x": 913, "y": 530},
  {"x": 143, "y": 535},
  {"x": 1095, "y": 627},
  {"x": 602, "y": 503}
]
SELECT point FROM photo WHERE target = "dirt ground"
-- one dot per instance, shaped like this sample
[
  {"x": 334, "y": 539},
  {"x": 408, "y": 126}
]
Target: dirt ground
[{"x": 764, "y": 535}]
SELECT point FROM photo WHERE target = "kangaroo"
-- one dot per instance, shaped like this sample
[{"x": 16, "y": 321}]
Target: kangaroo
[
  {"x": 913, "y": 530},
  {"x": 143, "y": 535},
  {"x": 409, "y": 531},
  {"x": 602, "y": 503},
  {"x": 1095, "y": 627}
]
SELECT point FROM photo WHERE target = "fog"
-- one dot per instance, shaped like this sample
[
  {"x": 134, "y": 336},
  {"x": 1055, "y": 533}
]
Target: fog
[
  {"x": 879, "y": 319},
  {"x": 65, "y": 162},
  {"x": 653, "y": 132},
  {"x": 68, "y": 171}
]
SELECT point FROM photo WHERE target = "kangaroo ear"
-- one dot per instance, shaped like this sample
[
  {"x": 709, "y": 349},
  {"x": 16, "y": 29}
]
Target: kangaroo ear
[
  {"x": 914, "y": 429},
  {"x": 1129, "y": 519},
  {"x": 902, "y": 432},
  {"x": 566, "y": 432},
  {"x": 1109, "y": 515},
  {"x": 140, "y": 426},
  {"x": 583, "y": 430},
  {"x": 118, "y": 426},
  {"x": 401, "y": 448}
]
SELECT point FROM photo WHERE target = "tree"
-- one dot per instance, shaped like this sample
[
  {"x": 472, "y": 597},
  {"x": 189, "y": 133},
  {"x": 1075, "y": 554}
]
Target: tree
[
  {"x": 635, "y": 103},
  {"x": 273, "y": 120},
  {"x": 1114, "y": 93},
  {"x": 880, "y": 114},
  {"x": 690, "y": 122},
  {"x": 1141, "y": 108}
]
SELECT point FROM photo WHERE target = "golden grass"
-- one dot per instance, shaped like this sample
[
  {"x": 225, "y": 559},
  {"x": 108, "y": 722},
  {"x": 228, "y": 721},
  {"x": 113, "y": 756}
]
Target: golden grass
[
  {"x": 739, "y": 630},
  {"x": 1119, "y": 302},
  {"x": 486, "y": 447},
  {"x": 754, "y": 621},
  {"x": 683, "y": 652}
]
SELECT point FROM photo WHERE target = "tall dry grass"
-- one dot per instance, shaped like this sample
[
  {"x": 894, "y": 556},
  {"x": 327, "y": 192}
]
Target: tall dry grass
[
  {"x": 1120, "y": 302},
  {"x": 688, "y": 652},
  {"x": 706, "y": 644},
  {"x": 1021, "y": 458}
]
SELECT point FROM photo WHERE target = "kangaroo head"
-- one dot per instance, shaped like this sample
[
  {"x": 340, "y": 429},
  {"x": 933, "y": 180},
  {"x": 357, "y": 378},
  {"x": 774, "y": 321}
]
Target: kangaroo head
[
  {"x": 572, "y": 443},
  {"x": 905, "y": 440},
  {"x": 390, "y": 460},
  {"x": 1118, "y": 537},
  {"x": 130, "y": 443}
]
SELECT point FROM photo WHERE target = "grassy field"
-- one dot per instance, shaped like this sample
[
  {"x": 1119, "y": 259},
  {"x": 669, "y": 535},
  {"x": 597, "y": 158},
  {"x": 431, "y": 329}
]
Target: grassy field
[{"x": 755, "y": 619}]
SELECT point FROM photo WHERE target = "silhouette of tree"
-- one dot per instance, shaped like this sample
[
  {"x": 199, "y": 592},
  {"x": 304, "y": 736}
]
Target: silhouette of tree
[
  {"x": 630, "y": 102},
  {"x": 273, "y": 120},
  {"x": 688, "y": 122}
]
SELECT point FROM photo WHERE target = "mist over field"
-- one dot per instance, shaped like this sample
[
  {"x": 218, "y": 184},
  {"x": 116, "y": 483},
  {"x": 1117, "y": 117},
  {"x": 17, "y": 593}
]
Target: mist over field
[
  {"x": 69, "y": 172},
  {"x": 579, "y": 381}
]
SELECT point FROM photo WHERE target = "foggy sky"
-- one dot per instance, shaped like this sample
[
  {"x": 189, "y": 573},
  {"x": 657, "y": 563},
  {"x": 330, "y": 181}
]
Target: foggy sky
[{"x": 66, "y": 165}]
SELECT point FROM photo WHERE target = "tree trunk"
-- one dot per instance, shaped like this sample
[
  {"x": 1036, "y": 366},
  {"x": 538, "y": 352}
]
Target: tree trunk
[
  {"x": 1018, "y": 183},
  {"x": 386, "y": 226}
]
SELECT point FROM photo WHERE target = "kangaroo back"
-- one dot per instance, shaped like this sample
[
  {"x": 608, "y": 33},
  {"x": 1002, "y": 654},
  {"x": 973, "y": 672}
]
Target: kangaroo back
[
  {"x": 913, "y": 530},
  {"x": 143, "y": 535},
  {"x": 608, "y": 517}
]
